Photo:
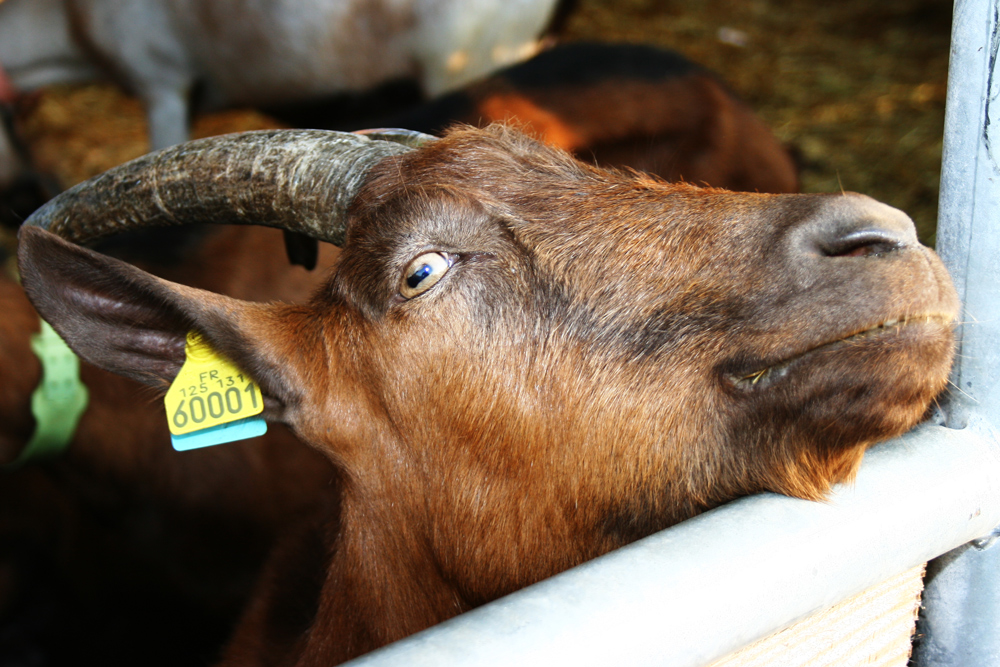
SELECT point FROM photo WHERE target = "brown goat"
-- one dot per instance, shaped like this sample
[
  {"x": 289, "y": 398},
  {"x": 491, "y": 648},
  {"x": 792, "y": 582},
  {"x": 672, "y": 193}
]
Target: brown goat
[
  {"x": 521, "y": 362},
  {"x": 139, "y": 536}
]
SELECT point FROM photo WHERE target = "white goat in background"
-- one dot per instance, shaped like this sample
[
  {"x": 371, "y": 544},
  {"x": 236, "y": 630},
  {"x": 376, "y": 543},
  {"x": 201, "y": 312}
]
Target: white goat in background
[{"x": 255, "y": 52}]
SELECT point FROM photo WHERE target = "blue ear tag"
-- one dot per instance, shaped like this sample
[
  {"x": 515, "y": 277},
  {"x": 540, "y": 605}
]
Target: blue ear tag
[{"x": 250, "y": 427}]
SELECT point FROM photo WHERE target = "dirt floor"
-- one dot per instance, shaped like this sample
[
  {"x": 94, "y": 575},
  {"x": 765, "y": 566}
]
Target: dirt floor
[{"x": 856, "y": 87}]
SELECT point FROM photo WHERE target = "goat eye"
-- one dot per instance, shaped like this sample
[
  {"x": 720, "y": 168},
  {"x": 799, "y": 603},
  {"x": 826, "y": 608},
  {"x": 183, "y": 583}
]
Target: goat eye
[{"x": 423, "y": 273}]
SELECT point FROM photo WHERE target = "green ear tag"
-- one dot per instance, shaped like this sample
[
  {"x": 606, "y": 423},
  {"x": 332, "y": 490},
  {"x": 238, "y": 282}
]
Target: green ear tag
[
  {"x": 59, "y": 399},
  {"x": 208, "y": 395}
]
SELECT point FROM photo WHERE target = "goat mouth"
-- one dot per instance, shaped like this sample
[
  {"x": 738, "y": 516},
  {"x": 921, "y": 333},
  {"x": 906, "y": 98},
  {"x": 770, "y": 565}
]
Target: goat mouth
[{"x": 773, "y": 373}]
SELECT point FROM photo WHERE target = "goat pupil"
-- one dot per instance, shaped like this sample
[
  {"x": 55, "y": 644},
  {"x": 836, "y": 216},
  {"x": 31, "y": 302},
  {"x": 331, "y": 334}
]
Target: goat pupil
[{"x": 418, "y": 276}]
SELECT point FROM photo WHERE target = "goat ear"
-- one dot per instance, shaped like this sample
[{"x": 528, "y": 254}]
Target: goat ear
[{"x": 127, "y": 321}]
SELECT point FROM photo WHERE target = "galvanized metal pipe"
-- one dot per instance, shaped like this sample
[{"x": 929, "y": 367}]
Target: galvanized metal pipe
[
  {"x": 968, "y": 232},
  {"x": 960, "y": 620}
]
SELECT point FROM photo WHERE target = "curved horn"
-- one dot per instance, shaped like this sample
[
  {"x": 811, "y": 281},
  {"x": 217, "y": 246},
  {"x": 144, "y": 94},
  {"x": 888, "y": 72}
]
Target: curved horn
[{"x": 297, "y": 180}]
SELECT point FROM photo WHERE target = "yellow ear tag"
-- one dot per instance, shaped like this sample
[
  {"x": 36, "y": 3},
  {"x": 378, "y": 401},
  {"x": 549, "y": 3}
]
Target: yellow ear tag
[{"x": 209, "y": 391}]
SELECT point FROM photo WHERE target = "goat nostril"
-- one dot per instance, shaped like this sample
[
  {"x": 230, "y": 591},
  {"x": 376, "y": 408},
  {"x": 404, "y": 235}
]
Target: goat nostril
[{"x": 863, "y": 243}]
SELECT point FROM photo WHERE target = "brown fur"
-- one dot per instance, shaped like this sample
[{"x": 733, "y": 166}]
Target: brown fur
[
  {"x": 687, "y": 129},
  {"x": 16, "y": 326},
  {"x": 590, "y": 370}
]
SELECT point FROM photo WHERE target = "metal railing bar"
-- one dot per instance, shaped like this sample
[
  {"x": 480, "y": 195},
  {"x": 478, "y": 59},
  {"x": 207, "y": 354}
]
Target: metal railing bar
[{"x": 708, "y": 586}]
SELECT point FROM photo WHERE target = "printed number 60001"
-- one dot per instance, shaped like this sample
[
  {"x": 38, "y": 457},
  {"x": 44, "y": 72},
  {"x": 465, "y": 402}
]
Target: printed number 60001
[{"x": 214, "y": 405}]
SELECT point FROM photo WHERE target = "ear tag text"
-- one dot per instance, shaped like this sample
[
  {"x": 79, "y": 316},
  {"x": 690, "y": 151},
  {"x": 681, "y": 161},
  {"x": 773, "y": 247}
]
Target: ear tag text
[{"x": 211, "y": 401}]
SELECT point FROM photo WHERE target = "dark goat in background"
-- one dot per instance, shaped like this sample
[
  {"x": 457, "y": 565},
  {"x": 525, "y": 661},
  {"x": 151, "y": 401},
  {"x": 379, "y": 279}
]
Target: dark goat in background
[
  {"x": 624, "y": 105},
  {"x": 120, "y": 543}
]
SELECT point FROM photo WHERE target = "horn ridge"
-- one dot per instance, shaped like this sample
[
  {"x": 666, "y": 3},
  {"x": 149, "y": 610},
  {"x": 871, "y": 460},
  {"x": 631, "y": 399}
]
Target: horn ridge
[{"x": 297, "y": 180}]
